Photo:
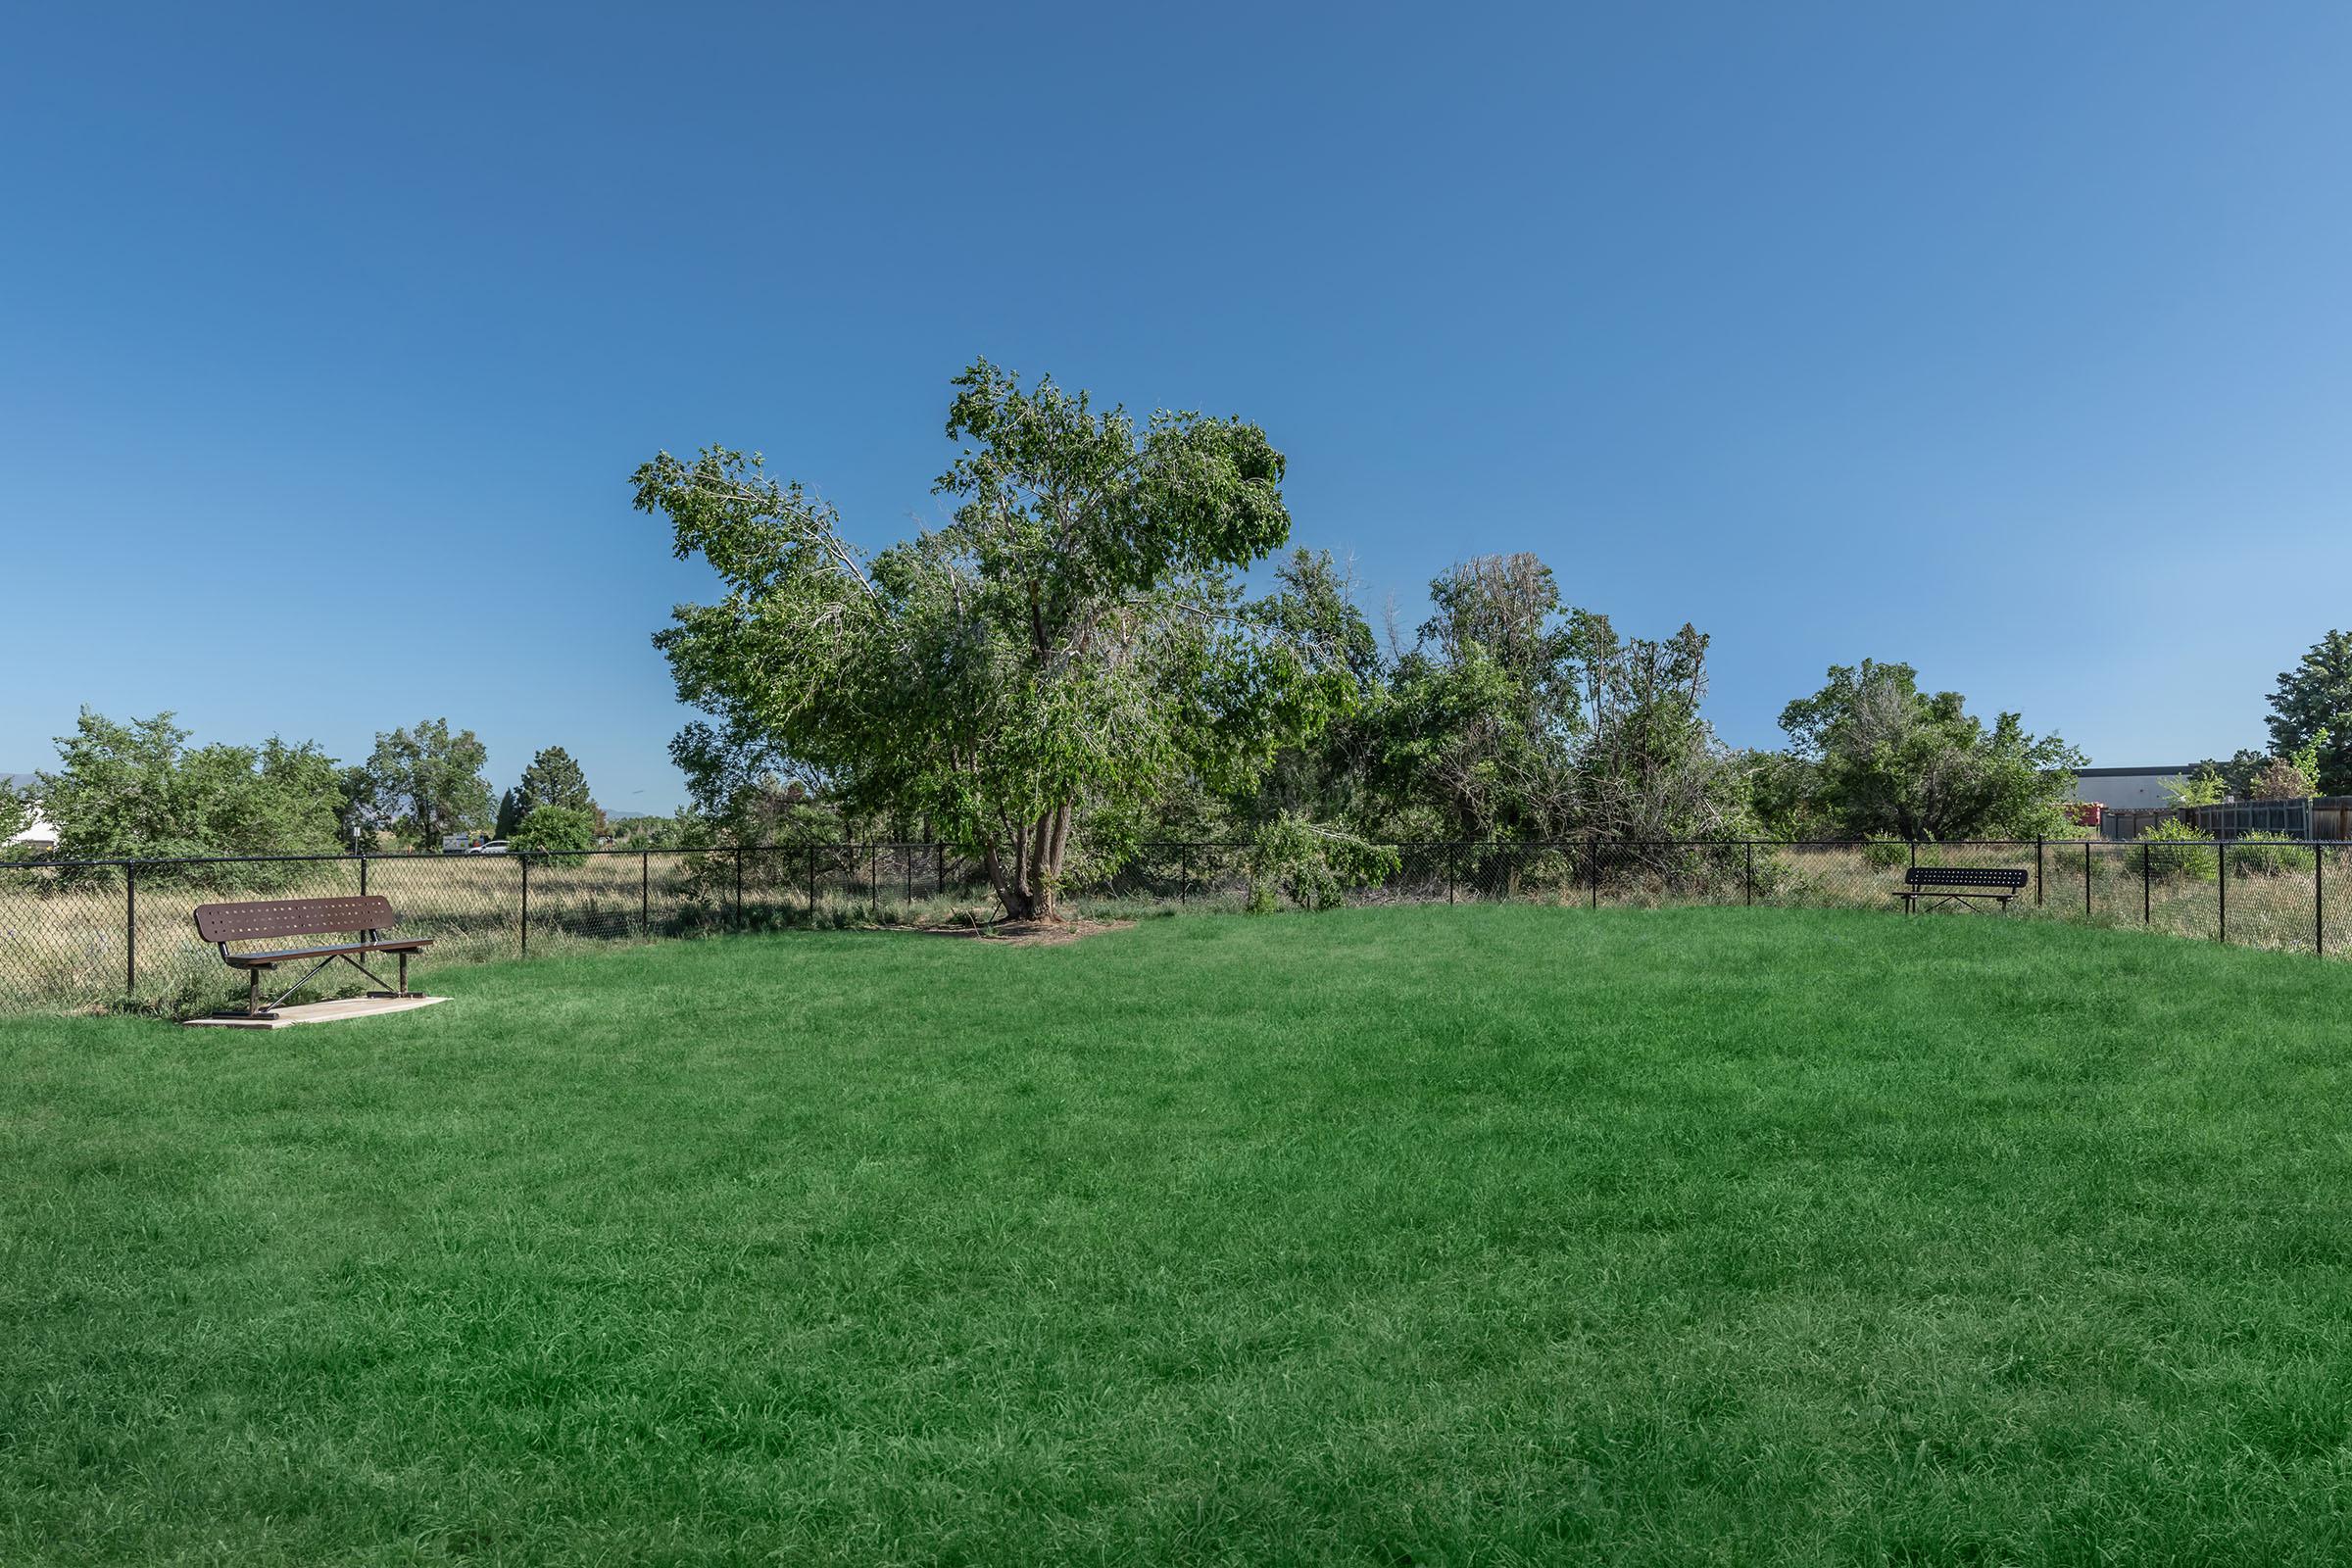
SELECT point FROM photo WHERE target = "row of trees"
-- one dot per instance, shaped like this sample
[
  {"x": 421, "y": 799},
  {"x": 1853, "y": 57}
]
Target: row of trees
[
  {"x": 139, "y": 789},
  {"x": 1075, "y": 663}
]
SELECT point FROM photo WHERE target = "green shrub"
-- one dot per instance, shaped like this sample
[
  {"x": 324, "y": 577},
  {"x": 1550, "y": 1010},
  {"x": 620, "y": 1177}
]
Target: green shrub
[
  {"x": 1883, "y": 851},
  {"x": 2268, "y": 855},
  {"x": 1313, "y": 863},
  {"x": 1775, "y": 873},
  {"x": 2064, "y": 856},
  {"x": 2178, "y": 849},
  {"x": 556, "y": 835}
]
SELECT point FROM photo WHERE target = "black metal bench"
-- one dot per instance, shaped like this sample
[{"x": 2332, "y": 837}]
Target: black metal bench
[
  {"x": 368, "y": 917},
  {"x": 1931, "y": 885}
]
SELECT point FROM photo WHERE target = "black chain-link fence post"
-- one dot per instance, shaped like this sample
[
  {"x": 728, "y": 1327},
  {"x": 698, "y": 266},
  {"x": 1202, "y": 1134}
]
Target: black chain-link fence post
[
  {"x": 738, "y": 887},
  {"x": 526, "y": 903},
  {"x": 2220, "y": 856},
  {"x": 2319, "y": 901},
  {"x": 2038, "y": 842},
  {"x": 645, "y": 892},
  {"x": 1752, "y": 874},
  {"x": 130, "y": 928},
  {"x": 2086, "y": 879},
  {"x": 1592, "y": 854}
]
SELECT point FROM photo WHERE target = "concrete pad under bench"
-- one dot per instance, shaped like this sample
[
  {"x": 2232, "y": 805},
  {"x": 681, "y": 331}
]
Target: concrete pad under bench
[{"x": 333, "y": 1011}]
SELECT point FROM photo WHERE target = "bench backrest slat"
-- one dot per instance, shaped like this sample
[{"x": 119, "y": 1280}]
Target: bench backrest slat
[
  {"x": 266, "y": 919},
  {"x": 1964, "y": 876}
]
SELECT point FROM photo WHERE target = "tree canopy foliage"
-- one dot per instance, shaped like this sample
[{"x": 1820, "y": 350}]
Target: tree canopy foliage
[
  {"x": 509, "y": 816},
  {"x": 1075, "y": 639},
  {"x": 1481, "y": 713},
  {"x": 553, "y": 778},
  {"x": 138, "y": 790},
  {"x": 1518, "y": 716},
  {"x": 1107, "y": 645},
  {"x": 1878, "y": 755},
  {"x": 427, "y": 780},
  {"x": 1074, "y": 660},
  {"x": 560, "y": 834},
  {"x": 2311, "y": 710}
]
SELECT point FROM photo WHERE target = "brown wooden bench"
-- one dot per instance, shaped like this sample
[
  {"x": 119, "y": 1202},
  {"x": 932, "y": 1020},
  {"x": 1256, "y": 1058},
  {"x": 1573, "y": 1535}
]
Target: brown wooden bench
[{"x": 368, "y": 917}]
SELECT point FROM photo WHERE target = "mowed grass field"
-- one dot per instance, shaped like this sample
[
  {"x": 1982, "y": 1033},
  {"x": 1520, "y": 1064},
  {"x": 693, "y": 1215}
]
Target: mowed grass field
[{"x": 1422, "y": 1236}]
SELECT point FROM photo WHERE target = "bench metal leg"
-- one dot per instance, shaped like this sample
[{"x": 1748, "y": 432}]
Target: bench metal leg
[
  {"x": 253, "y": 993},
  {"x": 404, "y": 975},
  {"x": 304, "y": 980}
]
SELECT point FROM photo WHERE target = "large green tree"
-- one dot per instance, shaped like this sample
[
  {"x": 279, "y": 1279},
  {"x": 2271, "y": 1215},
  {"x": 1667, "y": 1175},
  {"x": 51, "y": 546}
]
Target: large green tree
[
  {"x": 1075, "y": 639},
  {"x": 1320, "y": 776},
  {"x": 1517, "y": 717},
  {"x": 139, "y": 789},
  {"x": 1478, "y": 725},
  {"x": 1888, "y": 759},
  {"x": 2312, "y": 703},
  {"x": 428, "y": 780},
  {"x": 1648, "y": 767},
  {"x": 355, "y": 820}
]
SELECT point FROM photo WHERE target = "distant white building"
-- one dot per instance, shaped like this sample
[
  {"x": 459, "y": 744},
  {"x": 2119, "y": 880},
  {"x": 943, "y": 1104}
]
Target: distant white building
[
  {"x": 41, "y": 833},
  {"x": 2127, "y": 787}
]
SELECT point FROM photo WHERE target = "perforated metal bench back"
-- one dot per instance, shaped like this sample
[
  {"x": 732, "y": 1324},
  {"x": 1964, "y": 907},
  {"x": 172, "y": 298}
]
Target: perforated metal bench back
[
  {"x": 268, "y": 919},
  {"x": 1963, "y": 876}
]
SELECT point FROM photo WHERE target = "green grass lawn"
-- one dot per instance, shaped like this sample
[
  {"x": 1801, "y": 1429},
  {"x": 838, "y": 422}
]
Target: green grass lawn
[{"x": 1415, "y": 1236}]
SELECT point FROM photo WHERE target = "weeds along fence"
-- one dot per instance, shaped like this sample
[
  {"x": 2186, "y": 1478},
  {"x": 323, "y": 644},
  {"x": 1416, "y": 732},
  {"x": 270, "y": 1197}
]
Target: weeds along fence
[{"x": 108, "y": 935}]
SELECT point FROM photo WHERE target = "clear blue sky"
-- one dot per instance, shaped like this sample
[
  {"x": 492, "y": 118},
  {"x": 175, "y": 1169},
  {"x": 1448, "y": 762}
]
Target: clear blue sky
[{"x": 2013, "y": 341}]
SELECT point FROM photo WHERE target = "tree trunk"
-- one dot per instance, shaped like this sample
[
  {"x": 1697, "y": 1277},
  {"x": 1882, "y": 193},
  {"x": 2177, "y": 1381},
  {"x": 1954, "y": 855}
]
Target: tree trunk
[
  {"x": 1026, "y": 888},
  {"x": 1011, "y": 887}
]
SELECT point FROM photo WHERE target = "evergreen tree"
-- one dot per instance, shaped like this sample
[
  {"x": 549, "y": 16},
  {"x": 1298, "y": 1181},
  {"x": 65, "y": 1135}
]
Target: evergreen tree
[
  {"x": 554, "y": 779},
  {"x": 2312, "y": 703}
]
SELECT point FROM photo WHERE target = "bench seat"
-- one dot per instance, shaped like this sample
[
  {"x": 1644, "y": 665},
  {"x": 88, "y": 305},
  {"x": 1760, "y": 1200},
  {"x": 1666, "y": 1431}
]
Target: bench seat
[{"x": 265, "y": 961}]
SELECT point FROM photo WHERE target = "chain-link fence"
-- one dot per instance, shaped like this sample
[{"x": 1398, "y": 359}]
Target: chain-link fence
[{"x": 118, "y": 934}]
